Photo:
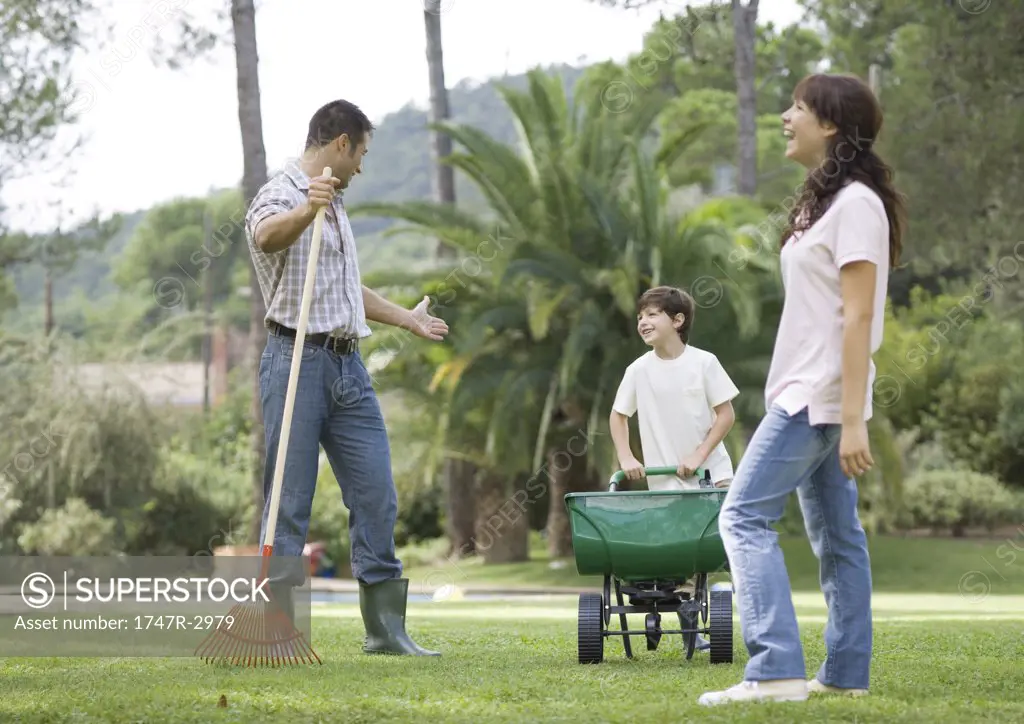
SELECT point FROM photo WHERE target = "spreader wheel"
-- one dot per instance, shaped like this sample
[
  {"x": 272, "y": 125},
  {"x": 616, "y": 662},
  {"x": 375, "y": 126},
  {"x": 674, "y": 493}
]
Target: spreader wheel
[
  {"x": 590, "y": 629},
  {"x": 721, "y": 624}
]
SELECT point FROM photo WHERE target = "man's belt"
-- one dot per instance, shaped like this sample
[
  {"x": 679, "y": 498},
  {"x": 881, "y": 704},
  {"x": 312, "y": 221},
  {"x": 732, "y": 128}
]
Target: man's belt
[{"x": 338, "y": 345}]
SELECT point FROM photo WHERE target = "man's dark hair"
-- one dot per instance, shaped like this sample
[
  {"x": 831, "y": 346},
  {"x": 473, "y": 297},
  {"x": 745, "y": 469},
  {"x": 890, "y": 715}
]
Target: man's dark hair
[
  {"x": 334, "y": 119},
  {"x": 671, "y": 301}
]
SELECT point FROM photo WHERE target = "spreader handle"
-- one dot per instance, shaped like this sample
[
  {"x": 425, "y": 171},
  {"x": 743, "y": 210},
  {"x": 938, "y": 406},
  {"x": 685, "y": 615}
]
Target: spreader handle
[{"x": 620, "y": 475}]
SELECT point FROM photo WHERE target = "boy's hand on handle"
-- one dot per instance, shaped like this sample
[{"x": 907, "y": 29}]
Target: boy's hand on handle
[
  {"x": 690, "y": 464},
  {"x": 854, "y": 449},
  {"x": 632, "y": 467},
  {"x": 321, "y": 191}
]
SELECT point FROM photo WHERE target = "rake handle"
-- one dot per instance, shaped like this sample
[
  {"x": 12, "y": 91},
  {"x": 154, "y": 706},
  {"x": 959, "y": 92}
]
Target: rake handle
[{"x": 293, "y": 382}]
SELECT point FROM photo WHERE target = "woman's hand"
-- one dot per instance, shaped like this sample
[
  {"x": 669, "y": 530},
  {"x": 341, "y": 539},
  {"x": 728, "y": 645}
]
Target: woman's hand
[{"x": 854, "y": 449}]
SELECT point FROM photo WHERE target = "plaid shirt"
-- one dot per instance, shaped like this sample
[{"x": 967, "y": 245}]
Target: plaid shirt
[{"x": 337, "y": 304}]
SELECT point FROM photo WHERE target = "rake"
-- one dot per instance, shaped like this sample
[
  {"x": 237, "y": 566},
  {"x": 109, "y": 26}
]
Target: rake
[{"x": 264, "y": 634}]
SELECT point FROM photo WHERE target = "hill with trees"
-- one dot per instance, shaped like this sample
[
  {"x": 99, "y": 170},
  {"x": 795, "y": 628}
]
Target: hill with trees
[{"x": 400, "y": 171}]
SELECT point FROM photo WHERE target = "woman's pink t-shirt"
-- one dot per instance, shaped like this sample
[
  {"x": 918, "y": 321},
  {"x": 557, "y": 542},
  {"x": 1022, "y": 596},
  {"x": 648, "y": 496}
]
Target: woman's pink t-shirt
[{"x": 806, "y": 368}]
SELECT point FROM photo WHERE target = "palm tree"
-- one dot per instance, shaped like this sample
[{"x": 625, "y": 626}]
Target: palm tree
[{"x": 580, "y": 225}]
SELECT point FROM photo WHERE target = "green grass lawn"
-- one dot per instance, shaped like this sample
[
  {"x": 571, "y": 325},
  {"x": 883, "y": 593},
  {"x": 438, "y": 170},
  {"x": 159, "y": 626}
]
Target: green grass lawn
[
  {"x": 516, "y": 663},
  {"x": 949, "y": 622}
]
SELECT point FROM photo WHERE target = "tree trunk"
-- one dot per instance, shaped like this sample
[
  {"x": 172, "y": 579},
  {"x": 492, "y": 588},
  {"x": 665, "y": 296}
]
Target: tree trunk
[
  {"x": 875, "y": 79},
  {"x": 744, "y": 23},
  {"x": 254, "y": 175},
  {"x": 48, "y": 294},
  {"x": 502, "y": 532},
  {"x": 460, "y": 476},
  {"x": 207, "y": 273},
  {"x": 440, "y": 143},
  {"x": 257, "y": 447},
  {"x": 567, "y": 473}
]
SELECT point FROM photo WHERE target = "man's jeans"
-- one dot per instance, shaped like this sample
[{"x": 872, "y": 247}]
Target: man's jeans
[
  {"x": 335, "y": 406},
  {"x": 787, "y": 454}
]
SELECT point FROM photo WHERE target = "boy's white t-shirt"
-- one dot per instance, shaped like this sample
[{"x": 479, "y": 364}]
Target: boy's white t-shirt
[
  {"x": 807, "y": 364},
  {"x": 675, "y": 401}
]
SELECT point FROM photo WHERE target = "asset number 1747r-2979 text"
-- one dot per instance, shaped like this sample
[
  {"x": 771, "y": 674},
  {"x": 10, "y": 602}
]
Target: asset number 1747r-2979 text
[{"x": 183, "y": 623}]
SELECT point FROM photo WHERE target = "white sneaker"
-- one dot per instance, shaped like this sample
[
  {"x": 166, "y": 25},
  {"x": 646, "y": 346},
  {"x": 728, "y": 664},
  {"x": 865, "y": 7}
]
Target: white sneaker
[
  {"x": 816, "y": 687},
  {"x": 777, "y": 690}
]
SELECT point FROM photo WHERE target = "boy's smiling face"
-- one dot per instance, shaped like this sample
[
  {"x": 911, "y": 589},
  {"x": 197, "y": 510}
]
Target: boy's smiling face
[{"x": 655, "y": 327}]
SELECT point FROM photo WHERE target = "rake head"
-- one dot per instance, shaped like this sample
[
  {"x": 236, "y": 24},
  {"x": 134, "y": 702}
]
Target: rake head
[{"x": 259, "y": 635}]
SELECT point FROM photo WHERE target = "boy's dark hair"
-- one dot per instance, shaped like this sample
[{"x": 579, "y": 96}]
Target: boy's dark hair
[
  {"x": 671, "y": 301},
  {"x": 334, "y": 119}
]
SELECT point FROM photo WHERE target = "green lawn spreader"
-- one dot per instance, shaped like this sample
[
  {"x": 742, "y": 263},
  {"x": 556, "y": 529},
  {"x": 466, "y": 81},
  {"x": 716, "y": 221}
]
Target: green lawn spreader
[{"x": 648, "y": 544}]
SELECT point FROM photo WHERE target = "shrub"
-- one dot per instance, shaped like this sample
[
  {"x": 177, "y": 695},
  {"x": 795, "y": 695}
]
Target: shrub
[
  {"x": 975, "y": 411},
  {"x": 937, "y": 374},
  {"x": 926, "y": 454},
  {"x": 955, "y": 500},
  {"x": 65, "y": 440},
  {"x": 917, "y": 354},
  {"x": 72, "y": 530},
  {"x": 1010, "y": 427},
  {"x": 426, "y": 552},
  {"x": 419, "y": 514},
  {"x": 194, "y": 504},
  {"x": 200, "y": 497},
  {"x": 964, "y": 418},
  {"x": 101, "y": 461}
]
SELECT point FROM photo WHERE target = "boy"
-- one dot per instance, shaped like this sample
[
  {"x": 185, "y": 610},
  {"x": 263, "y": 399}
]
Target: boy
[{"x": 683, "y": 397}]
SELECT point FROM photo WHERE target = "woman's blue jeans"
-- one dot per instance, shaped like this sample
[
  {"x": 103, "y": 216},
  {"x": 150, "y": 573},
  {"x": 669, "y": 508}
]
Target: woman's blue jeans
[{"x": 786, "y": 454}]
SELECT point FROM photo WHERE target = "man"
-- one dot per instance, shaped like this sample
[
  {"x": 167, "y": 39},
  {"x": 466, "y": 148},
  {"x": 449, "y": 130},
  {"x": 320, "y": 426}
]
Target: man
[{"x": 335, "y": 403}]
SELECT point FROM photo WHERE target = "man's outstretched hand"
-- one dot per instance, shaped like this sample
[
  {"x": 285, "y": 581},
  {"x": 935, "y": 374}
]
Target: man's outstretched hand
[{"x": 425, "y": 324}]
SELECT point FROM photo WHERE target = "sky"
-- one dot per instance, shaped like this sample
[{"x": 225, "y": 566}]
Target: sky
[{"x": 153, "y": 134}]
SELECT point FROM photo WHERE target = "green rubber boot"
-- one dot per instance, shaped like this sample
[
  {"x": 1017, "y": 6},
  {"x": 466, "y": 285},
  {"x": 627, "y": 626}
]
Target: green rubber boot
[{"x": 383, "y": 608}]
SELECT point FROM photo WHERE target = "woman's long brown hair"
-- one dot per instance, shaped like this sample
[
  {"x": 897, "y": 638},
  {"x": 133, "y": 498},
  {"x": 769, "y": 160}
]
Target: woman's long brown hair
[{"x": 848, "y": 103}]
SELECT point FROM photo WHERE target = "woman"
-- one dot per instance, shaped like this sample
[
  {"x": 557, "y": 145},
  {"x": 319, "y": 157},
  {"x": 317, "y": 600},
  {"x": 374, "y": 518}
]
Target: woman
[{"x": 843, "y": 236}]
